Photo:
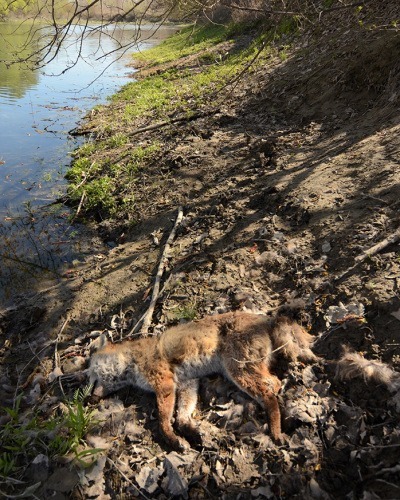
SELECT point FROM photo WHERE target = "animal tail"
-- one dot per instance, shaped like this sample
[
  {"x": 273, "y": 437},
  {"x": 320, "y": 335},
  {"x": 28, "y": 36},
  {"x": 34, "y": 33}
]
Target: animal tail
[{"x": 352, "y": 364}]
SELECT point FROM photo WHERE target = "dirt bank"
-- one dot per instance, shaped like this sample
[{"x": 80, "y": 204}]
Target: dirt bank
[{"x": 286, "y": 178}]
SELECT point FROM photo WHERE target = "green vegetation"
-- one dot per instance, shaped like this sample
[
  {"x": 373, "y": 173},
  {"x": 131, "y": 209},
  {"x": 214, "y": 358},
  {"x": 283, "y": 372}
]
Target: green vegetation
[
  {"x": 15, "y": 6},
  {"x": 187, "y": 41},
  {"x": 156, "y": 93},
  {"x": 106, "y": 187},
  {"x": 187, "y": 312},
  {"x": 176, "y": 90},
  {"x": 26, "y": 435},
  {"x": 183, "y": 75}
]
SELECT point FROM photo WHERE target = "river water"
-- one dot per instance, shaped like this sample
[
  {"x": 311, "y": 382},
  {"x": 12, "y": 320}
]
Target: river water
[{"x": 37, "y": 109}]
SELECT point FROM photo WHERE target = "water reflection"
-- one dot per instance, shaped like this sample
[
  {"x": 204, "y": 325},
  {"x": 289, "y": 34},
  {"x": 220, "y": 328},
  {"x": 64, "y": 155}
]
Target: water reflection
[
  {"x": 37, "y": 109},
  {"x": 15, "y": 80}
]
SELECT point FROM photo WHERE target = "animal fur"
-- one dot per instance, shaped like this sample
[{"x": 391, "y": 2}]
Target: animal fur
[
  {"x": 241, "y": 346},
  {"x": 352, "y": 364}
]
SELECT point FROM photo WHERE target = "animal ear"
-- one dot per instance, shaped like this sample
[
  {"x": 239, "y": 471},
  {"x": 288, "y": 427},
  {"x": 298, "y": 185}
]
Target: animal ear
[
  {"x": 98, "y": 343},
  {"x": 102, "y": 340}
]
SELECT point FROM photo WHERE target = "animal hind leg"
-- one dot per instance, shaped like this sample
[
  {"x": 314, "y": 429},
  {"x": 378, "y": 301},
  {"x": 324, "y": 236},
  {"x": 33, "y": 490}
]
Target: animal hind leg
[
  {"x": 187, "y": 400},
  {"x": 165, "y": 393},
  {"x": 259, "y": 383}
]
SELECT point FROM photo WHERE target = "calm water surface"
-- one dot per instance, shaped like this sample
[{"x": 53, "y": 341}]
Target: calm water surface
[{"x": 37, "y": 109}]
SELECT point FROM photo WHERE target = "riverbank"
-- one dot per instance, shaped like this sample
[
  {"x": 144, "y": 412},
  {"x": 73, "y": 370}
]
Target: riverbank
[
  {"x": 37, "y": 109},
  {"x": 287, "y": 176}
]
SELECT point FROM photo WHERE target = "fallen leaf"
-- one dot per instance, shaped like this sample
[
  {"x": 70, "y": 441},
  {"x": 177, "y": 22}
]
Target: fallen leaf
[
  {"x": 63, "y": 480},
  {"x": 148, "y": 478},
  {"x": 174, "y": 483},
  {"x": 396, "y": 314},
  {"x": 326, "y": 247},
  {"x": 342, "y": 313}
]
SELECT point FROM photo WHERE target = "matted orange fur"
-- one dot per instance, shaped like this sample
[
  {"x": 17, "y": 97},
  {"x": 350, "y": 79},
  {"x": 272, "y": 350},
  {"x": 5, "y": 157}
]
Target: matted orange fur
[{"x": 240, "y": 346}]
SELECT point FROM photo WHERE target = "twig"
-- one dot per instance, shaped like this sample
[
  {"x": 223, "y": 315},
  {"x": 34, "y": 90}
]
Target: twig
[
  {"x": 375, "y": 198},
  {"x": 80, "y": 205},
  {"x": 384, "y": 470},
  {"x": 127, "y": 478},
  {"x": 56, "y": 355},
  {"x": 85, "y": 177},
  {"x": 264, "y": 11},
  {"x": 30, "y": 378},
  {"x": 393, "y": 238},
  {"x": 293, "y": 13},
  {"x": 147, "y": 317},
  {"x": 342, "y": 7},
  {"x": 263, "y": 358},
  {"x": 247, "y": 67},
  {"x": 165, "y": 123},
  {"x": 396, "y": 486}
]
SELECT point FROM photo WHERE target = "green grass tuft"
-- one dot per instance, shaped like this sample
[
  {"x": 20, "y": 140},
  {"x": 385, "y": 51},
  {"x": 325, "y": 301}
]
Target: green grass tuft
[{"x": 187, "y": 41}]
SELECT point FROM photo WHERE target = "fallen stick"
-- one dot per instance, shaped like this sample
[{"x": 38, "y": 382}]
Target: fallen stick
[
  {"x": 165, "y": 123},
  {"x": 393, "y": 238},
  {"x": 188, "y": 118},
  {"x": 148, "y": 316},
  {"x": 79, "y": 206}
]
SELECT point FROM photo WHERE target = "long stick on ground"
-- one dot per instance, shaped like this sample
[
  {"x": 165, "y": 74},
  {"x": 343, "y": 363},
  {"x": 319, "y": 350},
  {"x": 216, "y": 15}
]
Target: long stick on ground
[
  {"x": 393, "y": 238},
  {"x": 148, "y": 316},
  {"x": 379, "y": 246},
  {"x": 178, "y": 119}
]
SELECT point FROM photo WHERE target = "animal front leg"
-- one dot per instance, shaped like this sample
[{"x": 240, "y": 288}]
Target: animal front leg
[
  {"x": 165, "y": 394},
  {"x": 262, "y": 386},
  {"x": 187, "y": 400}
]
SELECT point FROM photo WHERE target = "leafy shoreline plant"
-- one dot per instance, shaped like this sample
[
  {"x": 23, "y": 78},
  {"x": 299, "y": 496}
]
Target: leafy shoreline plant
[{"x": 27, "y": 434}]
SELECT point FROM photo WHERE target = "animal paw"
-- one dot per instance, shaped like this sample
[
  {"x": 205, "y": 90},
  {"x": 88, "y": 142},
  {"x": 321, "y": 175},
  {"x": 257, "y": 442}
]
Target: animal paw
[
  {"x": 192, "y": 434},
  {"x": 282, "y": 439},
  {"x": 195, "y": 439},
  {"x": 179, "y": 444}
]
